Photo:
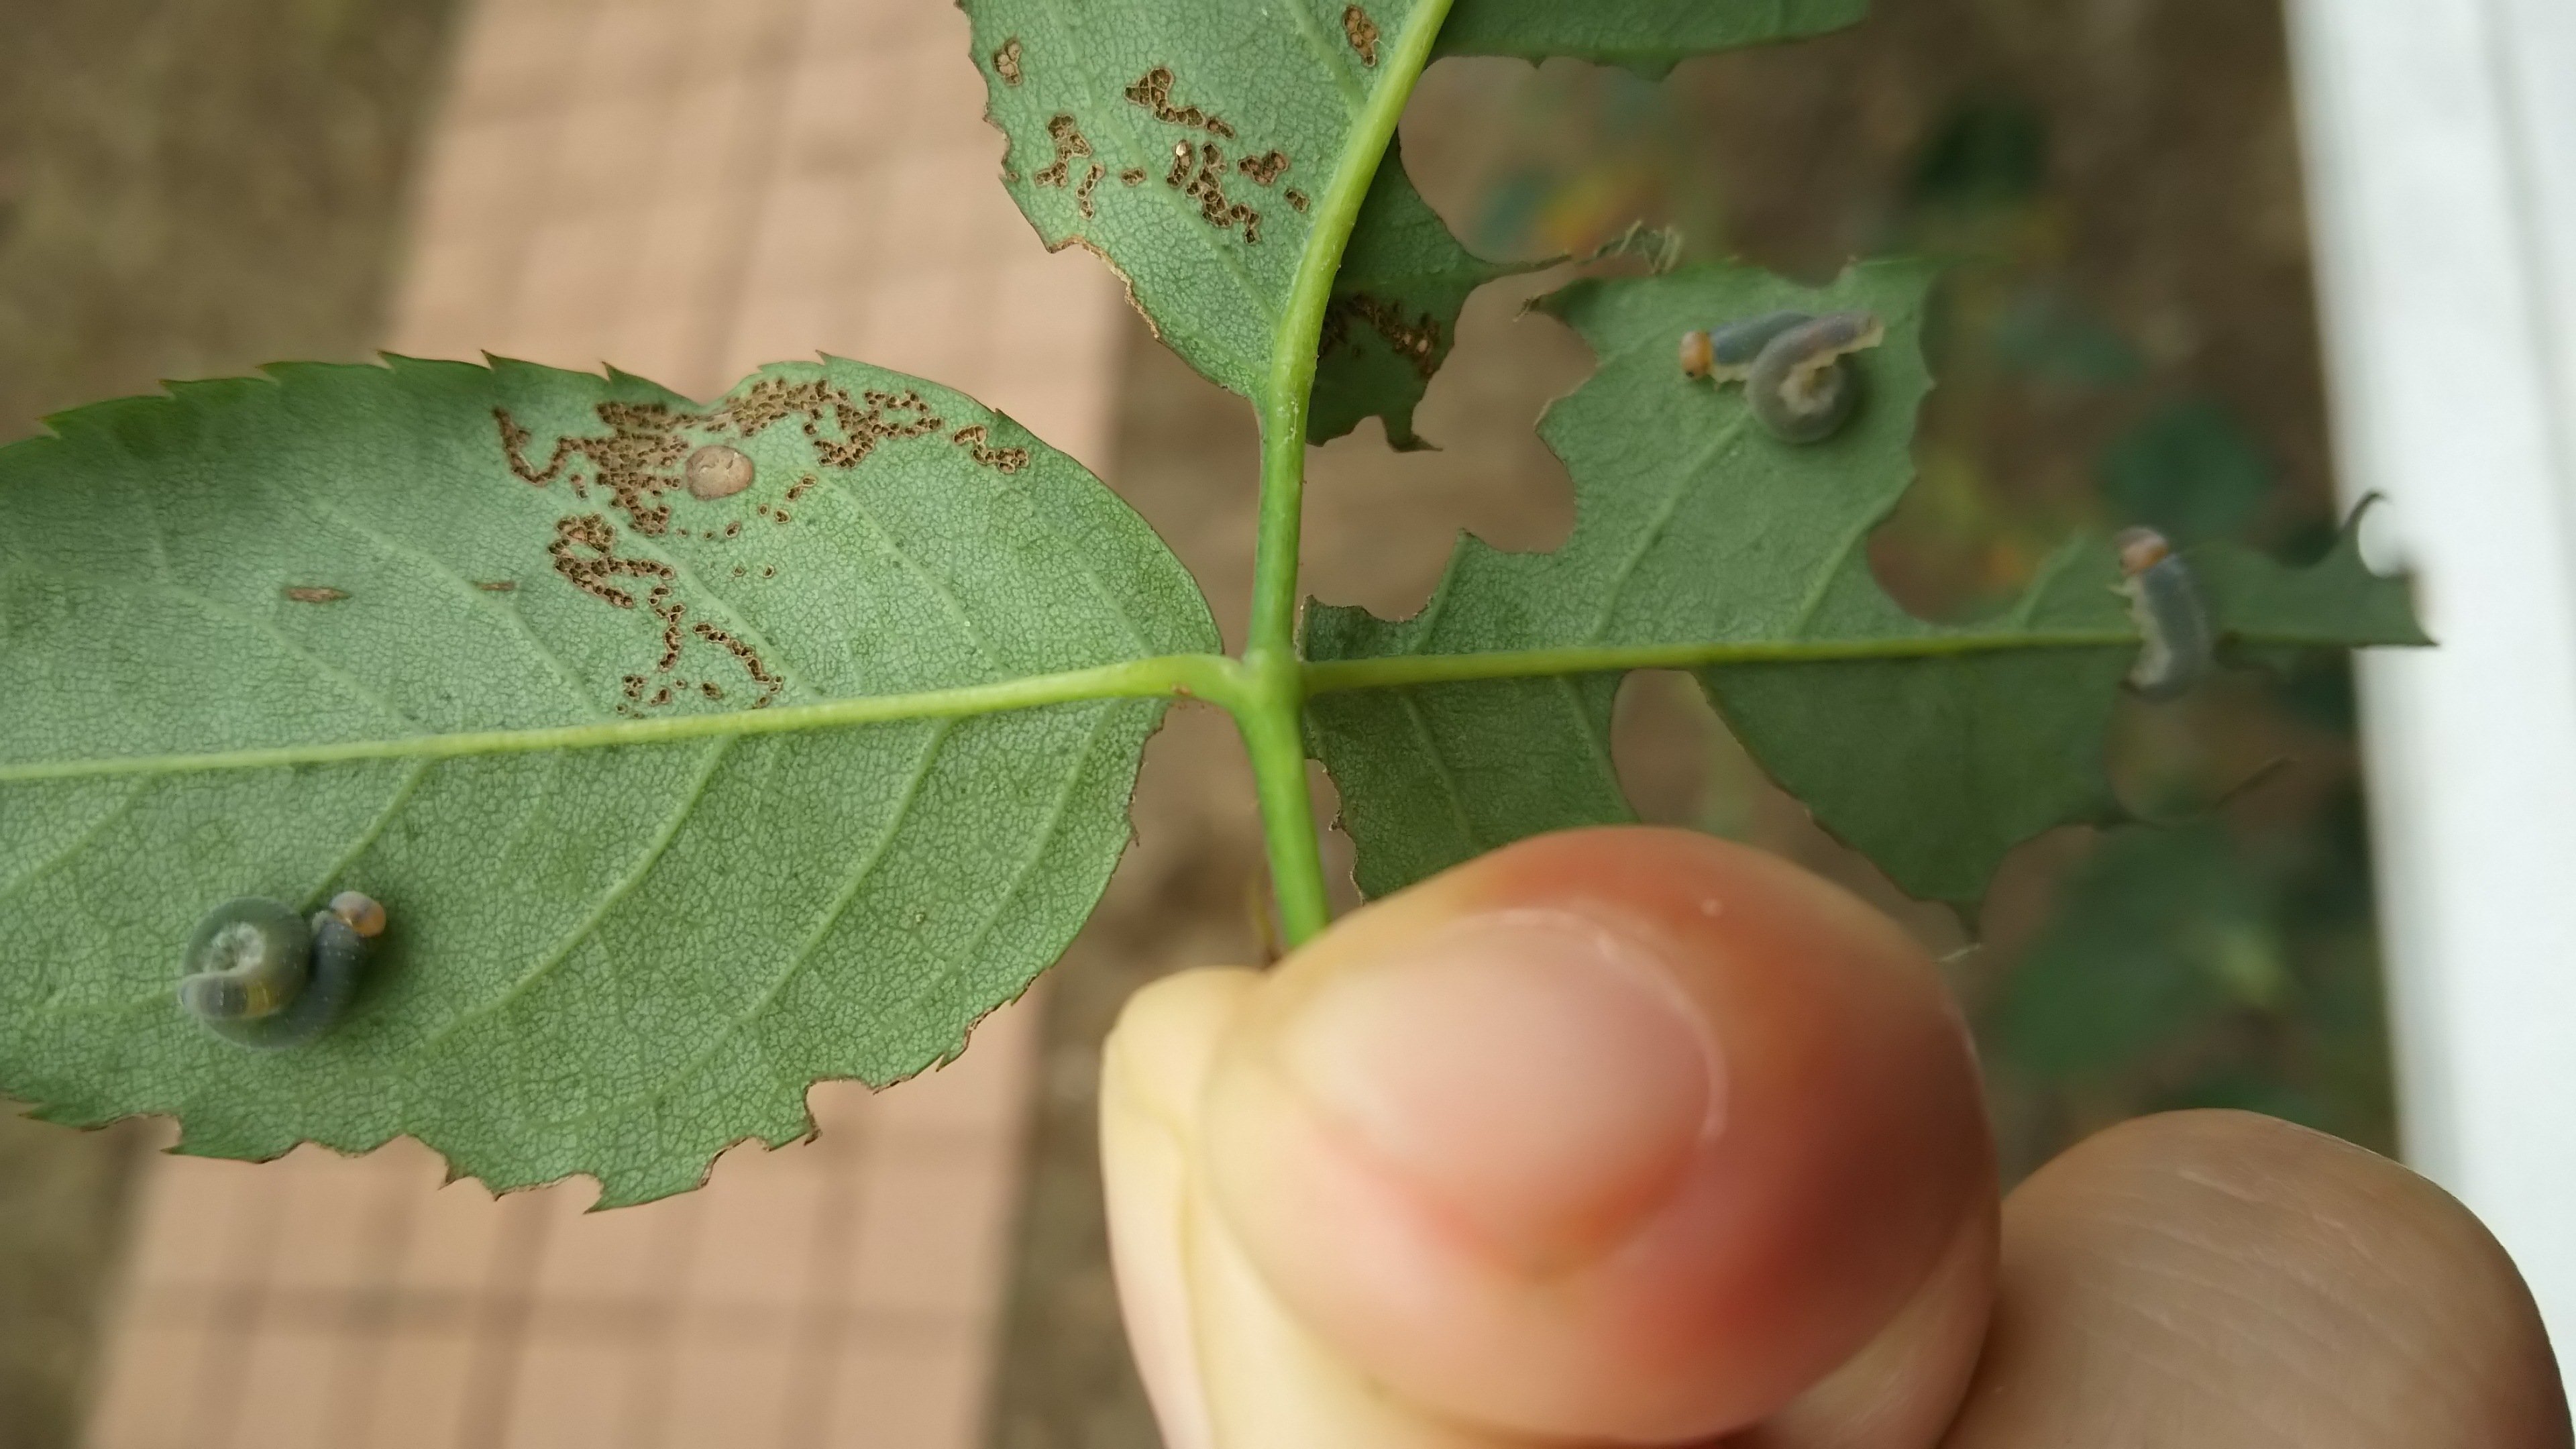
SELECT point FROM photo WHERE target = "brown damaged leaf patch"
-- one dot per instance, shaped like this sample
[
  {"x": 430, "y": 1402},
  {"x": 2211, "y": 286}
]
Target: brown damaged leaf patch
[
  {"x": 1361, "y": 32},
  {"x": 1416, "y": 340},
  {"x": 1153, "y": 91},
  {"x": 1070, "y": 143}
]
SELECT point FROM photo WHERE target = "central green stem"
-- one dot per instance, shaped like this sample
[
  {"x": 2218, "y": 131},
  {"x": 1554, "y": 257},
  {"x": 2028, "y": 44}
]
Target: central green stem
[{"x": 1273, "y": 702}]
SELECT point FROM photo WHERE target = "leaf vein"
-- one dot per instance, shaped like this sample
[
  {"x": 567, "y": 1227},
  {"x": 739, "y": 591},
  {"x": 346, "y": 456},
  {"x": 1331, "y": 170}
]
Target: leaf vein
[
  {"x": 844, "y": 486},
  {"x": 1339, "y": 62},
  {"x": 852, "y": 883},
  {"x": 1440, "y": 767},
  {"x": 375, "y": 829},
  {"x": 554, "y": 959},
  {"x": 1596, "y": 748},
  {"x": 1685, "y": 482},
  {"x": 78, "y": 843},
  {"x": 475, "y": 596}
]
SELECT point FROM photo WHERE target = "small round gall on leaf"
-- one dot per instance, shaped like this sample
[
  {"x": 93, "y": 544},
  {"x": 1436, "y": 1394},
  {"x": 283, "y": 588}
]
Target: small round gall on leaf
[
  {"x": 362, "y": 913},
  {"x": 716, "y": 471}
]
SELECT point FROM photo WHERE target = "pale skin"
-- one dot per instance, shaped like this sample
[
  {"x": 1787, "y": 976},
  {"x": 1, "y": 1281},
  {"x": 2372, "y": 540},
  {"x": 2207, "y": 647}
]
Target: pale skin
[{"x": 1634, "y": 1137}]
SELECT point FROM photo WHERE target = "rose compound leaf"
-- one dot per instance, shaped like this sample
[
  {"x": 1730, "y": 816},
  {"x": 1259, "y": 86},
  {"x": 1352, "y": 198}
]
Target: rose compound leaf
[
  {"x": 1703, "y": 542},
  {"x": 588, "y": 707},
  {"x": 1394, "y": 311},
  {"x": 1191, "y": 143},
  {"x": 1647, "y": 36}
]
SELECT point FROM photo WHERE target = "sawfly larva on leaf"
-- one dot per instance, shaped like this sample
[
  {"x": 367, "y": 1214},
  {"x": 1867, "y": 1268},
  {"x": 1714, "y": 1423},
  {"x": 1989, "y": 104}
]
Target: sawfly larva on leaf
[
  {"x": 261, "y": 976},
  {"x": 1725, "y": 354},
  {"x": 2165, "y": 603},
  {"x": 1794, "y": 367}
]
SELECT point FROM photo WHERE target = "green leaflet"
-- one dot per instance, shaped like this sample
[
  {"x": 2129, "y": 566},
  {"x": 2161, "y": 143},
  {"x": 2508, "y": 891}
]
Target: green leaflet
[
  {"x": 621, "y": 946},
  {"x": 1191, "y": 143},
  {"x": 1700, "y": 541},
  {"x": 1646, "y": 36},
  {"x": 1405, "y": 277},
  {"x": 2334, "y": 602},
  {"x": 1394, "y": 312}
]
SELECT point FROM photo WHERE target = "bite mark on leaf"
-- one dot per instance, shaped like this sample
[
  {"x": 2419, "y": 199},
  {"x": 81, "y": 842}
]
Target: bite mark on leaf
[
  {"x": 974, "y": 438},
  {"x": 1361, "y": 32},
  {"x": 1416, "y": 340},
  {"x": 1069, "y": 143},
  {"x": 1206, "y": 185},
  {"x": 1153, "y": 91}
]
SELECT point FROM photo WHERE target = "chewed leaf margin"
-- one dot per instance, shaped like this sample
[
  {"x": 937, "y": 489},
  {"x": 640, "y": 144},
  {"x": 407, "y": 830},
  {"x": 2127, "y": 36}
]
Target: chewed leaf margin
[{"x": 1703, "y": 544}]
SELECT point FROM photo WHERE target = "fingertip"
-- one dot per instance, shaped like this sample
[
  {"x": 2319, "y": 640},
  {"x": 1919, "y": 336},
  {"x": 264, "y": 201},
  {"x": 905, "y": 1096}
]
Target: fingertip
[
  {"x": 1164, "y": 1040},
  {"x": 1624, "y": 1133}
]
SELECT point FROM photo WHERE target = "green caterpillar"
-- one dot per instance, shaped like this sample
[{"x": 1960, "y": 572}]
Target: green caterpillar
[
  {"x": 2164, "y": 601},
  {"x": 1794, "y": 367},
  {"x": 262, "y": 976}
]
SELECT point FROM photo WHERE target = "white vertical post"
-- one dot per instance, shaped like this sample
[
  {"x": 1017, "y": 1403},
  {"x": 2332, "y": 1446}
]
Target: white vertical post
[{"x": 2441, "y": 162}]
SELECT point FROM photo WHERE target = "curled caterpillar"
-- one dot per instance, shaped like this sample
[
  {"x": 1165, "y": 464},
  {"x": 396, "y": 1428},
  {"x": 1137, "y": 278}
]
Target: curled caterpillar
[
  {"x": 1792, "y": 366},
  {"x": 262, "y": 976},
  {"x": 2164, "y": 601}
]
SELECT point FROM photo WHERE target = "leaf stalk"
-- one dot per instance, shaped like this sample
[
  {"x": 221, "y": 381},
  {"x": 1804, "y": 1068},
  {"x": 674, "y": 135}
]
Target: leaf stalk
[{"x": 1271, "y": 719}]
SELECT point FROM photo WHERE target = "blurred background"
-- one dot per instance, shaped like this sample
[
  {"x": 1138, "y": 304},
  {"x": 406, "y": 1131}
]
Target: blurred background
[
  {"x": 2127, "y": 334},
  {"x": 188, "y": 188}
]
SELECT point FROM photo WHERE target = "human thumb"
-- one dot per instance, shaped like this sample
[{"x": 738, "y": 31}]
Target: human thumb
[{"x": 1613, "y": 1136}]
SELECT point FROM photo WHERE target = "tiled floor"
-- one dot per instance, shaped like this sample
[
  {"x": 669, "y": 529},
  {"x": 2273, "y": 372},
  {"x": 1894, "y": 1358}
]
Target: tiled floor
[{"x": 685, "y": 188}]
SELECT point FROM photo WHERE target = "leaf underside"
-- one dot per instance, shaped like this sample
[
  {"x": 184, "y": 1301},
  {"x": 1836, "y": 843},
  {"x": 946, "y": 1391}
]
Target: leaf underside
[
  {"x": 1186, "y": 143},
  {"x": 1694, "y": 527},
  {"x": 1406, "y": 277},
  {"x": 613, "y": 960},
  {"x": 1394, "y": 312}
]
